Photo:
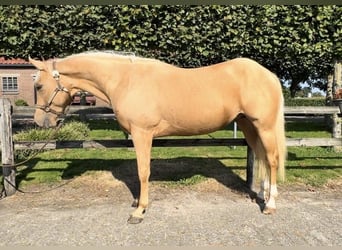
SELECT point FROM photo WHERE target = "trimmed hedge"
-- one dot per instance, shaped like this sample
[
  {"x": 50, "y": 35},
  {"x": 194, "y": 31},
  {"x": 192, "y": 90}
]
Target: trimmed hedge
[{"x": 305, "y": 102}]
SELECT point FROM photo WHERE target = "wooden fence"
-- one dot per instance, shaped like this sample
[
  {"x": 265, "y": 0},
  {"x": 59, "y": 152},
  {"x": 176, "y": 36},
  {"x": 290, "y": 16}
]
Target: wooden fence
[
  {"x": 87, "y": 112},
  {"x": 26, "y": 113}
]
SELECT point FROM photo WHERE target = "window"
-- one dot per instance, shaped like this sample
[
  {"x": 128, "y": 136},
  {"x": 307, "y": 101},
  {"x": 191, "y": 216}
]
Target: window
[{"x": 9, "y": 84}]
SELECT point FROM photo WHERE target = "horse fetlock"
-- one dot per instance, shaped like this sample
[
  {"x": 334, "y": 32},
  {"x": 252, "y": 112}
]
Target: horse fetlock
[
  {"x": 270, "y": 206},
  {"x": 135, "y": 203}
]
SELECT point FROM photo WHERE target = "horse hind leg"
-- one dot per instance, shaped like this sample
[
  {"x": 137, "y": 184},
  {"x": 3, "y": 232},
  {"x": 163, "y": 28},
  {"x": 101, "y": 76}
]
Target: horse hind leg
[
  {"x": 142, "y": 141},
  {"x": 253, "y": 140},
  {"x": 264, "y": 145},
  {"x": 269, "y": 143},
  {"x": 248, "y": 131}
]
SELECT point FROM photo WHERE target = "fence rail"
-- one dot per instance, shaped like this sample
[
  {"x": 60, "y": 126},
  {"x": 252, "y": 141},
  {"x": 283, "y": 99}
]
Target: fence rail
[
  {"x": 90, "y": 111},
  {"x": 311, "y": 110},
  {"x": 118, "y": 143},
  {"x": 121, "y": 143}
]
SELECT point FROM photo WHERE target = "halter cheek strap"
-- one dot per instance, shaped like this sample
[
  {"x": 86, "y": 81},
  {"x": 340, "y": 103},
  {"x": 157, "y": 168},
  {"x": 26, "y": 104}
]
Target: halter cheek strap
[{"x": 59, "y": 87}]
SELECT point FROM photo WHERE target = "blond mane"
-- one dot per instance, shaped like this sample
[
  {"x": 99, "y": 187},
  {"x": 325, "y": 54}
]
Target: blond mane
[{"x": 111, "y": 53}]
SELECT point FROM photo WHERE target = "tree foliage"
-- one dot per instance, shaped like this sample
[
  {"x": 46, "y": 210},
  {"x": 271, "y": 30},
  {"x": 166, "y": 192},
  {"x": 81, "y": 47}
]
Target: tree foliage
[{"x": 299, "y": 43}]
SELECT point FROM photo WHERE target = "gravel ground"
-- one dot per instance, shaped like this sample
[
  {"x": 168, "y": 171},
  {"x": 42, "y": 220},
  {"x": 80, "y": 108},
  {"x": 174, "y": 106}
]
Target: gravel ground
[{"x": 94, "y": 213}]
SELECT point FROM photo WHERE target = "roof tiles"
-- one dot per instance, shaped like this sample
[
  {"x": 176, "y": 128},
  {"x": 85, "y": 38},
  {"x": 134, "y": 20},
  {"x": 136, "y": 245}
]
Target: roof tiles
[{"x": 13, "y": 61}]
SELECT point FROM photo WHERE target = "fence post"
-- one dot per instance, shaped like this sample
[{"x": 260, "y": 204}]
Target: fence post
[
  {"x": 249, "y": 169},
  {"x": 337, "y": 130},
  {"x": 7, "y": 157},
  {"x": 337, "y": 120}
]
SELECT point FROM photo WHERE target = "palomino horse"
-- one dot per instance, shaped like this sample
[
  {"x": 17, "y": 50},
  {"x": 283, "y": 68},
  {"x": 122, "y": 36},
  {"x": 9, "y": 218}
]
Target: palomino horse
[{"x": 152, "y": 99}]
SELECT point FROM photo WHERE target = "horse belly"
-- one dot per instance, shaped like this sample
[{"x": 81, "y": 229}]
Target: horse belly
[{"x": 195, "y": 121}]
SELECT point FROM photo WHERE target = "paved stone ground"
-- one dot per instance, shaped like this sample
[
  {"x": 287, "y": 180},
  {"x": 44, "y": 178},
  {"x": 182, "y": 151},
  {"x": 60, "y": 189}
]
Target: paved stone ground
[{"x": 86, "y": 213}]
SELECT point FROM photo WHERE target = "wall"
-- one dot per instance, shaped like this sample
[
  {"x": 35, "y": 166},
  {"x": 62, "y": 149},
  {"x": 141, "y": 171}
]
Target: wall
[{"x": 25, "y": 84}]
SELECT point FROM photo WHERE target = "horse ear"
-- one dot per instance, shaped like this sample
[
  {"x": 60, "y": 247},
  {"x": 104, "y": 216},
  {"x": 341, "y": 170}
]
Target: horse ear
[{"x": 38, "y": 64}]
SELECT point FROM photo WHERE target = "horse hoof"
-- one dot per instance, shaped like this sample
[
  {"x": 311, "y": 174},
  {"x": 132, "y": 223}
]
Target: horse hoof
[
  {"x": 268, "y": 210},
  {"x": 134, "y": 220}
]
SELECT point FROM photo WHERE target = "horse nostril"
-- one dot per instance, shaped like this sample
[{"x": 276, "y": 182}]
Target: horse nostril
[
  {"x": 46, "y": 123},
  {"x": 59, "y": 122}
]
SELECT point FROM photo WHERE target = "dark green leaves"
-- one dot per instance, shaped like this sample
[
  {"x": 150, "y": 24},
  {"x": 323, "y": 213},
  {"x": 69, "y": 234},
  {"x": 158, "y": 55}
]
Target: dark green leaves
[{"x": 298, "y": 42}]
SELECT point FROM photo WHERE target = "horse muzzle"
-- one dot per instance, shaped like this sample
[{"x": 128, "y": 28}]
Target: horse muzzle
[{"x": 45, "y": 120}]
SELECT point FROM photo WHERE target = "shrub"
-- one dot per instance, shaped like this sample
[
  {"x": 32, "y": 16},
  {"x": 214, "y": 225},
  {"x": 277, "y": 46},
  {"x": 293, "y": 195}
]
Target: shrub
[
  {"x": 32, "y": 135},
  {"x": 73, "y": 130},
  {"x": 21, "y": 102}
]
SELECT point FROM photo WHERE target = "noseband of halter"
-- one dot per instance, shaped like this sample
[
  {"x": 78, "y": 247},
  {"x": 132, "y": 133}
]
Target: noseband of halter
[{"x": 59, "y": 87}]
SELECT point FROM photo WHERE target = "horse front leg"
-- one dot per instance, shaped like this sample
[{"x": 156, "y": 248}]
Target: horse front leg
[{"x": 142, "y": 141}]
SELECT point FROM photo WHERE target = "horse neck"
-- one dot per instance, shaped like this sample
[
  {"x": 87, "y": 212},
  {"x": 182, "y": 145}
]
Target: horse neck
[
  {"x": 100, "y": 77},
  {"x": 76, "y": 85}
]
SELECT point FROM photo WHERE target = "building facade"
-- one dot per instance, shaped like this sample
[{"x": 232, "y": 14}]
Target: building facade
[
  {"x": 16, "y": 80},
  {"x": 17, "y": 83}
]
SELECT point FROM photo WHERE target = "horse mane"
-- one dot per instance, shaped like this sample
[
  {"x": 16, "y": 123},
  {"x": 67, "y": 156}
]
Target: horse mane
[
  {"x": 109, "y": 53},
  {"x": 112, "y": 53}
]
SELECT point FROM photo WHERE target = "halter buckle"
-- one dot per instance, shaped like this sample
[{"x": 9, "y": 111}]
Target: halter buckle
[{"x": 55, "y": 74}]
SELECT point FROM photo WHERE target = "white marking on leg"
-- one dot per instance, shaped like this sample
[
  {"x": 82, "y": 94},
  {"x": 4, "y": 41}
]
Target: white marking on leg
[{"x": 273, "y": 194}]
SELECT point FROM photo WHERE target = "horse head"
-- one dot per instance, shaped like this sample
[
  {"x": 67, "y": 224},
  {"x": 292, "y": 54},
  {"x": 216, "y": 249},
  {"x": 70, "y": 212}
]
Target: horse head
[{"x": 52, "y": 96}]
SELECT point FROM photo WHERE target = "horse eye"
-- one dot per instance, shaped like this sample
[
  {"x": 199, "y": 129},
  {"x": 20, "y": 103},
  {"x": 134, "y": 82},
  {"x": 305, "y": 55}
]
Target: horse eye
[{"x": 38, "y": 86}]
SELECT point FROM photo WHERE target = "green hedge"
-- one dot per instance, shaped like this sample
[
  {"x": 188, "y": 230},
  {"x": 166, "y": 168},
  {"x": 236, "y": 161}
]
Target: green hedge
[
  {"x": 305, "y": 102},
  {"x": 297, "y": 42},
  {"x": 292, "y": 40}
]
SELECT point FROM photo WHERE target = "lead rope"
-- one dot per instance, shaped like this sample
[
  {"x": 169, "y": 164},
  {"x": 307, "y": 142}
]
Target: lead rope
[{"x": 53, "y": 134}]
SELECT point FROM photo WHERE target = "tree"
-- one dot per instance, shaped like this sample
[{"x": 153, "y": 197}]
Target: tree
[{"x": 308, "y": 40}]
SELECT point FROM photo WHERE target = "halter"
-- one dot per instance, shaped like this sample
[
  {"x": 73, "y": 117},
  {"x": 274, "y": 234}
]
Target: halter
[{"x": 59, "y": 87}]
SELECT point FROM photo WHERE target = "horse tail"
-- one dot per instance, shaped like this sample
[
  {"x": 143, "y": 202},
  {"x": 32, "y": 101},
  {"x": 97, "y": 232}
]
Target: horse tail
[
  {"x": 260, "y": 165},
  {"x": 281, "y": 140}
]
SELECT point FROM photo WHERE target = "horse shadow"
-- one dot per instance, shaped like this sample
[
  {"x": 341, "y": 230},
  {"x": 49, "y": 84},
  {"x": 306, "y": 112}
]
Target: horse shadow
[{"x": 162, "y": 170}]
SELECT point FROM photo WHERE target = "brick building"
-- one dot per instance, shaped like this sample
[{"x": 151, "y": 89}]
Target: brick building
[
  {"x": 17, "y": 83},
  {"x": 16, "y": 80}
]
